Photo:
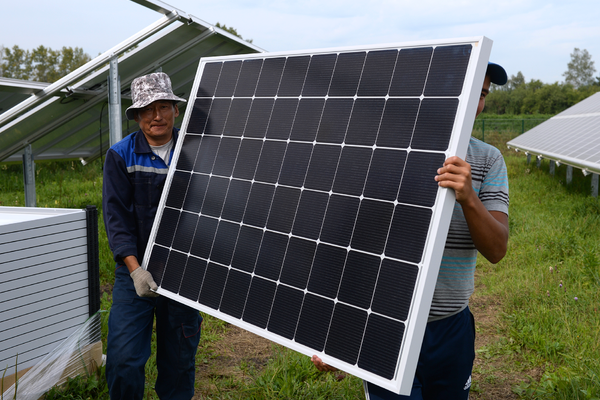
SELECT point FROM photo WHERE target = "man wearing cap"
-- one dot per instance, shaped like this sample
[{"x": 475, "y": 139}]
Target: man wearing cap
[
  {"x": 134, "y": 174},
  {"x": 479, "y": 223}
]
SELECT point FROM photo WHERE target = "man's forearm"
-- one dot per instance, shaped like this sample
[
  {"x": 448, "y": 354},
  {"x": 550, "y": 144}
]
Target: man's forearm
[{"x": 488, "y": 229}]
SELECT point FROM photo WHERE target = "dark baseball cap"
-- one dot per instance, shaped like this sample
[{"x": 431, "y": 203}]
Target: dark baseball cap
[{"x": 496, "y": 73}]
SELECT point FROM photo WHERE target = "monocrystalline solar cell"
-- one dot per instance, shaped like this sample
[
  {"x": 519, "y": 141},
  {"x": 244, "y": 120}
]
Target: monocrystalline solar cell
[
  {"x": 346, "y": 332},
  {"x": 381, "y": 332},
  {"x": 447, "y": 70},
  {"x": 192, "y": 278},
  {"x": 246, "y": 84},
  {"x": 237, "y": 117},
  {"x": 270, "y": 76},
  {"x": 308, "y": 117},
  {"x": 293, "y": 76},
  {"x": 412, "y": 68},
  {"x": 286, "y": 309},
  {"x": 210, "y": 78},
  {"x": 377, "y": 73},
  {"x": 347, "y": 73},
  {"x": 398, "y": 122},
  {"x": 327, "y": 268},
  {"x": 301, "y": 202},
  {"x": 365, "y": 121},
  {"x": 318, "y": 77},
  {"x": 229, "y": 74},
  {"x": 282, "y": 119}
]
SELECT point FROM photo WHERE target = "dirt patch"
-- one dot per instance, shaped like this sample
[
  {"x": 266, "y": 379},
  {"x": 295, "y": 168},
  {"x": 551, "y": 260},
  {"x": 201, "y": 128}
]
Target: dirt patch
[
  {"x": 490, "y": 379},
  {"x": 107, "y": 288},
  {"x": 495, "y": 371},
  {"x": 235, "y": 355}
]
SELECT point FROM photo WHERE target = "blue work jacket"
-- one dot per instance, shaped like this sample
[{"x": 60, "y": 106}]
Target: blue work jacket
[{"x": 133, "y": 182}]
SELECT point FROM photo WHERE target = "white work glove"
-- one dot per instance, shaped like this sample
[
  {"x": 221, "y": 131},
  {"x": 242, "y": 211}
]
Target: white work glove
[{"x": 143, "y": 282}]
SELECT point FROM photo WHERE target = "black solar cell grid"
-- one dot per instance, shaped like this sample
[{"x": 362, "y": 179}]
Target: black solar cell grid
[{"x": 301, "y": 199}]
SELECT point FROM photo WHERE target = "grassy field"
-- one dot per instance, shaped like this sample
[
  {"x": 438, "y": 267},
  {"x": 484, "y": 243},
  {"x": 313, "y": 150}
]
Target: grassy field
[
  {"x": 547, "y": 288},
  {"x": 549, "y": 282}
]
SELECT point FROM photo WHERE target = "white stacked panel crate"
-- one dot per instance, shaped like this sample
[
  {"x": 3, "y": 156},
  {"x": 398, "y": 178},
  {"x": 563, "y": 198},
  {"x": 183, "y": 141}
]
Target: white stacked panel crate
[{"x": 44, "y": 281}]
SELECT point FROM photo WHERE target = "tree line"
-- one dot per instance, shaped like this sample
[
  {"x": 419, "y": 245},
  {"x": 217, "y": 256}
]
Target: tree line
[
  {"x": 517, "y": 97},
  {"x": 44, "y": 64},
  {"x": 535, "y": 97},
  {"x": 41, "y": 64}
]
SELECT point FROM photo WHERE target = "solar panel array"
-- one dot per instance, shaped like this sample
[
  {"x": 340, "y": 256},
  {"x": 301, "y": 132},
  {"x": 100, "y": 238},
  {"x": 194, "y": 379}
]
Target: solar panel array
[
  {"x": 73, "y": 122},
  {"x": 570, "y": 137},
  {"x": 302, "y": 196}
]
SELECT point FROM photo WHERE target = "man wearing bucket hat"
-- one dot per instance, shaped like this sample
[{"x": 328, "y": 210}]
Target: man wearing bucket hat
[
  {"x": 479, "y": 223},
  {"x": 134, "y": 174}
]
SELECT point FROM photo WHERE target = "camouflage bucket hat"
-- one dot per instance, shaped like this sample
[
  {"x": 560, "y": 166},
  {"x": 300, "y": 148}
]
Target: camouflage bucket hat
[{"x": 149, "y": 88}]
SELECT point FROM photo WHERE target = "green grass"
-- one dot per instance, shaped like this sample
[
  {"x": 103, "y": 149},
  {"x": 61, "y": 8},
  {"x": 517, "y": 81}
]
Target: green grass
[
  {"x": 548, "y": 286},
  {"x": 92, "y": 387},
  {"x": 291, "y": 375},
  {"x": 548, "y": 283},
  {"x": 288, "y": 375}
]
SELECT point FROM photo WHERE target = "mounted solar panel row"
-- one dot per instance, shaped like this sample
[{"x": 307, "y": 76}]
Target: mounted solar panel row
[
  {"x": 570, "y": 137},
  {"x": 302, "y": 204},
  {"x": 65, "y": 125}
]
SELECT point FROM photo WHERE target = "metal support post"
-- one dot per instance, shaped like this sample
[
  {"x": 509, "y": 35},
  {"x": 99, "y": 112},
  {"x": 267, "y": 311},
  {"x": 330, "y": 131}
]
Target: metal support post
[
  {"x": 569, "y": 174},
  {"x": 539, "y": 161},
  {"x": 29, "y": 177},
  {"x": 595, "y": 185},
  {"x": 552, "y": 167},
  {"x": 115, "y": 124},
  {"x": 528, "y": 158},
  {"x": 483, "y": 130}
]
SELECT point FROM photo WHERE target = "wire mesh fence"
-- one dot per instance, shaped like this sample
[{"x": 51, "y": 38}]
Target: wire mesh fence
[{"x": 488, "y": 129}]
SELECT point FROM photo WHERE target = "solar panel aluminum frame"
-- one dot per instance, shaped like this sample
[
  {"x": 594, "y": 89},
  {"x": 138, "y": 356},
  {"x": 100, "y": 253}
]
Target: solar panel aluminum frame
[
  {"x": 437, "y": 230},
  {"x": 586, "y": 167}
]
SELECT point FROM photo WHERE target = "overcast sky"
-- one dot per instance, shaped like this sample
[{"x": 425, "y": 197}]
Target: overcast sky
[{"x": 535, "y": 37}]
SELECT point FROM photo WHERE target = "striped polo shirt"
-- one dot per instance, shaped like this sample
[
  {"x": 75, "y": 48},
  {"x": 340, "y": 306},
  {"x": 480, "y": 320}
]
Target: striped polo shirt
[{"x": 456, "y": 279}]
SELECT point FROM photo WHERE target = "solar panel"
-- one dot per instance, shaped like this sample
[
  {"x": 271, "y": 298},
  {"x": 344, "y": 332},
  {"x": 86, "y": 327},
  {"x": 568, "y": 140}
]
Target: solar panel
[
  {"x": 69, "y": 120},
  {"x": 302, "y": 204},
  {"x": 570, "y": 137}
]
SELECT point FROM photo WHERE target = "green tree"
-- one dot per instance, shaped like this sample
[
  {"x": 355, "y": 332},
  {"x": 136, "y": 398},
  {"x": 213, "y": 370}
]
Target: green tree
[
  {"x": 71, "y": 59},
  {"x": 581, "y": 69},
  {"x": 519, "y": 97},
  {"x": 16, "y": 63},
  {"x": 535, "y": 97},
  {"x": 516, "y": 81},
  {"x": 512, "y": 83},
  {"x": 232, "y": 30},
  {"x": 41, "y": 64},
  {"x": 497, "y": 102},
  {"x": 550, "y": 99}
]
